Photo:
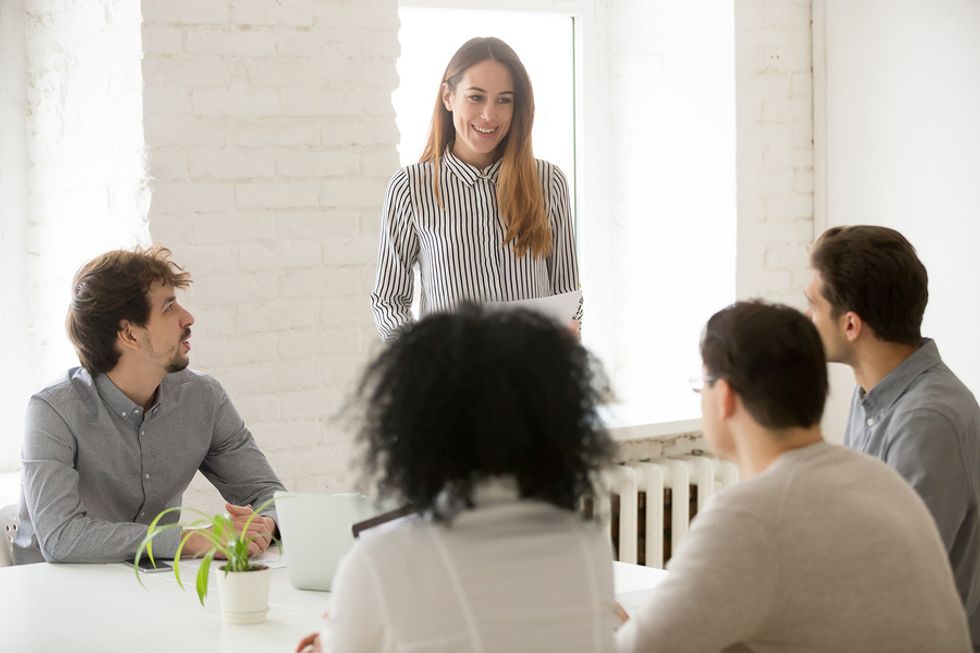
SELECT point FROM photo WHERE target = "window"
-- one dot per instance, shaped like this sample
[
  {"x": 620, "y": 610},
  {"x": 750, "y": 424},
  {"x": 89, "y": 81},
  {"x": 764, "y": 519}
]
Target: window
[{"x": 637, "y": 106}]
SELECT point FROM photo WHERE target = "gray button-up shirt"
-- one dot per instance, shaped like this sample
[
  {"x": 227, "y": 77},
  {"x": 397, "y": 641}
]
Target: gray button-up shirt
[
  {"x": 98, "y": 468},
  {"x": 924, "y": 423}
]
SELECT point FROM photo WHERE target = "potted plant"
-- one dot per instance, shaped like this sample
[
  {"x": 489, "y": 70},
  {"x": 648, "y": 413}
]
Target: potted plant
[{"x": 243, "y": 587}]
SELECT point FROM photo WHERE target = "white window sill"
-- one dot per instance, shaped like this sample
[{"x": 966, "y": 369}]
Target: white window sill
[{"x": 638, "y": 422}]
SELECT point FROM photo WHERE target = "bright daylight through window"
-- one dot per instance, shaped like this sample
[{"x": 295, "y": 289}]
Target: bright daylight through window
[{"x": 654, "y": 183}]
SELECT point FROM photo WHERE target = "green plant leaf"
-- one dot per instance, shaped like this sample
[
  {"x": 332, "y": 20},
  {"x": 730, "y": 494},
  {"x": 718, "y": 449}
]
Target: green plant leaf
[
  {"x": 180, "y": 549},
  {"x": 203, "y": 574},
  {"x": 220, "y": 532},
  {"x": 151, "y": 530},
  {"x": 147, "y": 546}
]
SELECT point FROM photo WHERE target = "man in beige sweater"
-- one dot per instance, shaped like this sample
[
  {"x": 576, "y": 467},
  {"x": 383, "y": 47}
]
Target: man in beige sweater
[{"x": 819, "y": 548}]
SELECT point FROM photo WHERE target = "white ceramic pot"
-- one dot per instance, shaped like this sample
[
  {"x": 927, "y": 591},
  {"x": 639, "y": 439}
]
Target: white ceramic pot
[{"x": 244, "y": 595}]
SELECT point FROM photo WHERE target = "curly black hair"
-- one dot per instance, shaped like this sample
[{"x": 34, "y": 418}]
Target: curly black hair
[{"x": 459, "y": 398}]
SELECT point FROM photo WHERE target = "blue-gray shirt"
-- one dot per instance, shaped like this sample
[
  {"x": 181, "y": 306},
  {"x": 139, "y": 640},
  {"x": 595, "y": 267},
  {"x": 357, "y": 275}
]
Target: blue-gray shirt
[
  {"x": 924, "y": 423},
  {"x": 98, "y": 468}
]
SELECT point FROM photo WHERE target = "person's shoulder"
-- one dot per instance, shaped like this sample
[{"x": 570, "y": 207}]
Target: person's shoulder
[
  {"x": 411, "y": 173},
  {"x": 847, "y": 463},
  {"x": 836, "y": 469},
  {"x": 190, "y": 382},
  {"x": 757, "y": 496},
  {"x": 395, "y": 535},
  {"x": 938, "y": 389},
  {"x": 793, "y": 473},
  {"x": 882, "y": 488},
  {"x": 937, "y": 409},
  {"x": 74, "y": 385},
  {"x": 549, "y": 170}
]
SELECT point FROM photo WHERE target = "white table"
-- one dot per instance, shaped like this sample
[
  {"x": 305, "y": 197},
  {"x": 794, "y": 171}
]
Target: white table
[{"x": 101, "y": 608}]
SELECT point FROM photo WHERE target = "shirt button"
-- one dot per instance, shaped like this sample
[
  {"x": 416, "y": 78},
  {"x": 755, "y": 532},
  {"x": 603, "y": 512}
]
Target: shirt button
[
  {"x": 143, "y": 514},
  {"x": 142, "y": 432},
  {"x": 146, "y": 476},
  {"x": 124, "y": 413},
  {"x": 871, "y": 421}
]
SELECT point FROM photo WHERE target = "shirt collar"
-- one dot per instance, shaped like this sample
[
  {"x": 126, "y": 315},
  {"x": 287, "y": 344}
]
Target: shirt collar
[
  {"x": 467, "y": 173},
  {"x": 114, "y": 398},
  {"x": 118, "y": 402},
  {"x": 496, "y": 490},
  {"x": 896, "y": 382},
  {"x": 486, "y": 493}
]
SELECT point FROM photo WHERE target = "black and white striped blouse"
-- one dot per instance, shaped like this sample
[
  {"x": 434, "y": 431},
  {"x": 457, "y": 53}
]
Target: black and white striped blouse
[{"x": 460, "y": 249}]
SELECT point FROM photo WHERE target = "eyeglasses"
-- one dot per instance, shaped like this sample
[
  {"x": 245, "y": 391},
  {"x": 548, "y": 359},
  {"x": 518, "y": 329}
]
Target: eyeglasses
[{"x": 700, "y": 381}]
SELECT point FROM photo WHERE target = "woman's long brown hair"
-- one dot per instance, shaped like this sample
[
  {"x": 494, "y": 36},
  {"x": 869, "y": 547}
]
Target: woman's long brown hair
[{"x": 519, "y": 193}]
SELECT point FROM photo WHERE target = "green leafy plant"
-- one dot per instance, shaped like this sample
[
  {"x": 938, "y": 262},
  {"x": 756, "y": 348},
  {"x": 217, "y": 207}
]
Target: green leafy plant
[{"x": 219, "y": 530}]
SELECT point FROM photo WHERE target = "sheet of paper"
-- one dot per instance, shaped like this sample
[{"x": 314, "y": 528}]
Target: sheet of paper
[
  {"x": 561, "y": 308},
  {"x": 270, "y": 558}
]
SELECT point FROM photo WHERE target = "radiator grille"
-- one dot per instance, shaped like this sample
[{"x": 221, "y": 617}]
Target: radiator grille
[{"x": 650, "y": 504}]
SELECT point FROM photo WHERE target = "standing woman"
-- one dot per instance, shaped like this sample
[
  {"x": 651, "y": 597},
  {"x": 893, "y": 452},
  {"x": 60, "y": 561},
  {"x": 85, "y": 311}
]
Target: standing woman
[{"x": 483, "y": 219}]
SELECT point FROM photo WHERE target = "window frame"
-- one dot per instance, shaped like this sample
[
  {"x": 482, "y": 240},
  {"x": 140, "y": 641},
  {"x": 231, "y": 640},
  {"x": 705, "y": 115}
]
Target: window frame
[{"x": 591, "y": 179}]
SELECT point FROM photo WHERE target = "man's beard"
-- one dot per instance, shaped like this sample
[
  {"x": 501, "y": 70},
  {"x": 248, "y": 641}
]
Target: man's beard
[
  {"x": 180, "y": 359},
  {"x": 178, "y": 363}
]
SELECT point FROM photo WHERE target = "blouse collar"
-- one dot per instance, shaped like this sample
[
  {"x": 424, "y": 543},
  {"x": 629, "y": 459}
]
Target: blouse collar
[{"x": 468, "y": 173}]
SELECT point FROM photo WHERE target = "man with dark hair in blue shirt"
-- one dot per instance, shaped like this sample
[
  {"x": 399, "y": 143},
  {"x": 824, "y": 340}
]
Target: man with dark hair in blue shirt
[{"x": 867, "y": 296}]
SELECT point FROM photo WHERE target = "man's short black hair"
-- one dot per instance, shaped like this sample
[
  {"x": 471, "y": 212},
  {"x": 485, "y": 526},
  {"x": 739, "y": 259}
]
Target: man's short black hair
[
  {"x": 772, "y": 356},
  {"x": 875, "y": 272}
]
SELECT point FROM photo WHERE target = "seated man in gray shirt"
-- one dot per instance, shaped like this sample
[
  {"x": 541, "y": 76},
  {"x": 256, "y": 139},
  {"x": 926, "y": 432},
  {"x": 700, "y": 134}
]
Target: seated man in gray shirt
[
  {"x": 818, "y": 548},
  {"x": 119, "y": 439},
  {"x": 867, "y": 295}
]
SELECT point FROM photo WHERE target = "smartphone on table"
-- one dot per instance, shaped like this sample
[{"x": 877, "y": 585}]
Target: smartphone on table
[{"x": 147, "y": 567}]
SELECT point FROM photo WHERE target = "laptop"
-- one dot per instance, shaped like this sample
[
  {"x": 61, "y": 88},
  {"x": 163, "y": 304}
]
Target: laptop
[{"x": 316, "y": 534}]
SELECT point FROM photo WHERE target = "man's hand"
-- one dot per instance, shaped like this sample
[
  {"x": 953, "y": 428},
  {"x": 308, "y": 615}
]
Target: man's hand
[{"x": 260, "y": 530}]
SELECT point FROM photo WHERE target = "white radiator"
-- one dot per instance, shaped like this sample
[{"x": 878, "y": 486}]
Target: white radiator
[{"x": 681, "y": 485}]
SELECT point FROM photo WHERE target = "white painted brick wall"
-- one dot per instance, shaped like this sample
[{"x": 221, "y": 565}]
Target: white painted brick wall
[
  {"x": 270, "y": 137},
  {"x": 73, "y": 176},
  {"x": 774, "y": 103}
]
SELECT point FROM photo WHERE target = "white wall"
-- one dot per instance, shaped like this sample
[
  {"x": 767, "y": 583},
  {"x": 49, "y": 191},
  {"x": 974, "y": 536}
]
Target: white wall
[
  {"x": 72, "y": 175},
  {"x": 668, "y": 167},
  {"x": 901, "y": 97},
  {"x": 773, "y": 84},
  {"x": 14, "y": 304},
  {"x": 270, "y": 137},
  {"x": 706, "y": 164}
]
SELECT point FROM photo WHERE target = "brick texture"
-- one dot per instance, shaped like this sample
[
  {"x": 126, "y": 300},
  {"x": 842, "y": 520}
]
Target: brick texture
[
  {"x": 774, "y": 113},
  {"x": 268, "y": 160}
]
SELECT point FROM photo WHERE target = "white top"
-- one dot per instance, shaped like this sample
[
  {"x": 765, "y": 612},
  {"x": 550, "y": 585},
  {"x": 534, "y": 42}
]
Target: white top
[
  {"x": 506, "y": 577},
  {"x": 459, "y": 247},
  {"x": 827, "y": 550}
]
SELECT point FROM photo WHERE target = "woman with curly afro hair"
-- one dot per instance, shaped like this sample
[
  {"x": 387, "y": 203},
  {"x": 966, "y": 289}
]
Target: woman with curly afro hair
[{"x": 485, "y": 423}]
